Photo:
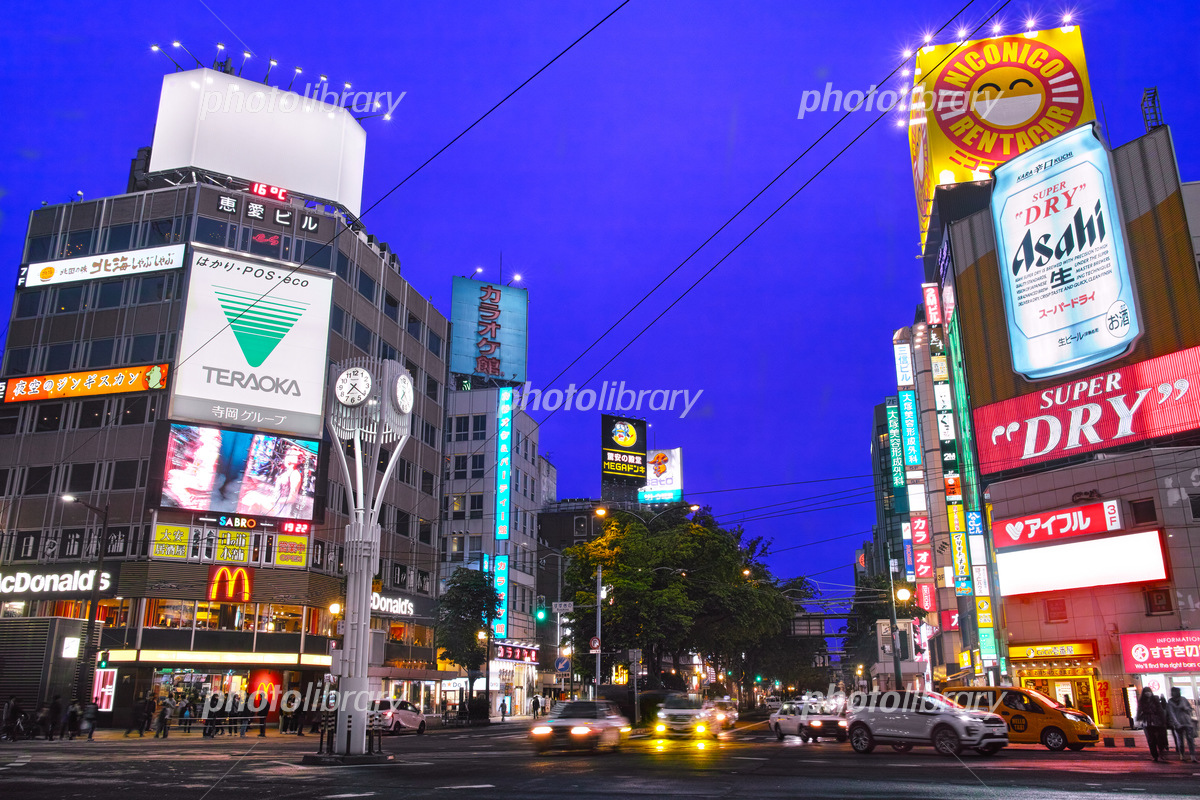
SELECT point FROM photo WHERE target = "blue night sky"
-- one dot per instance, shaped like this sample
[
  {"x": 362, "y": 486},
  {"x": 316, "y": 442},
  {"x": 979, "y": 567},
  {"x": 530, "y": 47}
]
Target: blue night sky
[{"x": 597, "y": 179}]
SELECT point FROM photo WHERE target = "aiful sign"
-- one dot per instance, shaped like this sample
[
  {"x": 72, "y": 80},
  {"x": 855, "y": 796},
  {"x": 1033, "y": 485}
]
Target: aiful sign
[
  {"x": 1060, "y": 523},
  {"x": 1141, "y": 401}
]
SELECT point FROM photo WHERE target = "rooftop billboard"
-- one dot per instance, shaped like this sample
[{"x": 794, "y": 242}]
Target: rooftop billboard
[{"x": 490, "y": 333}]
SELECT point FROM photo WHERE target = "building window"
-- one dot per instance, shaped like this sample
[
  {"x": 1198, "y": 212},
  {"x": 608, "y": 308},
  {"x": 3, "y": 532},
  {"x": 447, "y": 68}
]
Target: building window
[
  {"x": 27, "y": 542},
  {"x": 17, "y": 361},
  {"x": 48, "y": 417},
  {"x": 476, "y": 506},
  {"x": 1056, "y": 609},
  {"x": 477, "y": 466},
  {"x": 124, "y": 474},
  {"x": 362, "y": 337},
  {"x": 435, "y": 344},
  {"x": 343, "y": 266},
  {"x": 78, "y": 243},
  {"x": 120, "y": 237},
  {"x": 156, "y": 289},
  {"x": 461, "y": 427},
  {"x": 92, "y": 414},
  {"x": 82, "y": 476},
  {"x": 59, "y": 357},
  {"x": 479, "y": 427},
  {"x": 391, "y": 308},
  {"x": 429, "y": 433},
  {"x": 427, "y": 482},
  {"x": 101, "y": 353},
  {"x": 399, "y": 575},
  {"x": 432, "y": 388},
  {"x": 403, "y": 523},
  {"x": 414, "y": 327},
  {"x": 38, "y": 480},
  {"x": 143, "y": 348},
  {"x": 425, "y": 532},
  {"x": 29, "y": 304},
  {"x": 423, "y": 584},
  {"x": 337, "y": 320},
  {"x": 475, "y": 543},
  {"x": 72, "y": 542},
  {"x": 386, "y": 351},
  {"x": 460, "y": 468},
  {"x": 366, "y": 286},
  {"x": 1143, "y": 512}
]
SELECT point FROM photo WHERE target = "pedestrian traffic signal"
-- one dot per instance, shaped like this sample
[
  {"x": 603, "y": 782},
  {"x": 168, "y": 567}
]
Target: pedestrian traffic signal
[
  {"x": 103, "y": 659},
  {"x": 540, "y": 614}
]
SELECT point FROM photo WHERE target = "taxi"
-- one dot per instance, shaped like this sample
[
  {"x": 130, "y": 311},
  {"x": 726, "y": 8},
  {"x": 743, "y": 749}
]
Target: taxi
[{"x": 1032, "y": 718}]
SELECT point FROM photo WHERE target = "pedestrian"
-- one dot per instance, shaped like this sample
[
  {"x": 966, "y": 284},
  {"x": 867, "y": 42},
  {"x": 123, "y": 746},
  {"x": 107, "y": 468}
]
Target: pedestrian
[
  {"x": 12, "y": 712},
  {"x": 503, "y": 709},
  {"x": 244, "y": 713},
  {"x": 1153, "y": 716},
  {"x": 1183, "y": 724},
  {"x": 136, "y": 711},
  {"x": 164, "y": 717},
  {"x": 535, "y": 706},
  {"x": 54, "y": 718},
  {"x": 72, "y": 719},
  {"x": 91, "y": 712},
  {"x": 148, "y": 713},
  {"x": 210, "y": 716},
  {"x": 185, "y": 716}
]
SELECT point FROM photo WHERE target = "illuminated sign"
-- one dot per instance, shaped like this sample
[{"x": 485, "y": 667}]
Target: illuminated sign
[
  {"x": 933, "y": 308},
  {"x": 1058, "y": 524},
  {"x": 895, "y": 447},
  {"x": 230, "y": 584},
  {"x": 1018, "y": 652},
  {"x": 1141, "y": 401},
  {"x": 298, "y": 528},
  {"x": 270, "y": 192},
  {"x": 489, "y": 325},
  {"x": 904, "y": 364},
  {"x": 664, "y": 481},
  {"x": 927, "y": 597},
  {"x": 233, "y": 547},
  {"x": 1112, "y": 560},
  {"x": 1068, "y": 293},
  {"x": 109, "y": 265},
  {"x": 983, "y": 612},
  {"x": 958, "y": 553},
  {"x": 87, "y": 383},
  {"x": 1161, "y": 651},
  {"x": 392, "y": 606},
  {"x": 623, "y": 450},
  {"x": 976, "y": 105},
  {"x": 170, "y": 542},
  {"x": 500, "y": 582},
  {"x": 920, "y": 531},
  {"x": 74, "y": 582},
  {"x": 504, "y": 441},
  {"x": 104, "y": 688},
  {"x": 70, "y": 648},
  {"x": 949, "y": 620},
  {"x": 291, "y": 551},
  {"x": 252, "y": 351},
  {"x": 909, "y": 431},
  {"x": 511, "y": 652},
  {"x": 242, "y": 474},
  {"x": 906, "y": 534},
  {"x": 923, "y": 563}
]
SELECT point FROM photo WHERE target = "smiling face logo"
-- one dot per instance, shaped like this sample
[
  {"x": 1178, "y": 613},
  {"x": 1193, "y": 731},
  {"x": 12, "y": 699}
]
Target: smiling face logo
[
  {"x": 624, "y": 434},
  {"x": 987, "y": 101}
]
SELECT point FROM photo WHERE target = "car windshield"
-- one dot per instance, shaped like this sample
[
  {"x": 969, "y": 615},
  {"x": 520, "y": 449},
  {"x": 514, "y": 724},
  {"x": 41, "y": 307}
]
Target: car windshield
[
  {"x": 576, "y": 711},
  {"x": 940, "y": 702},
  {"x": 681, "y": 701},
  {"x": 723, "y": 704},
  {"x": 1041, "y": 698}
]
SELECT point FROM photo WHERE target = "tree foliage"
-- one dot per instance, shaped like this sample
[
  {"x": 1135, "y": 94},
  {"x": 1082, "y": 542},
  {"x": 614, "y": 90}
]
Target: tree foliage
[
  {"x": 469, "y": 600},
  {"x": 871, "y": 604},
  {"x": 675, "y": 587}
]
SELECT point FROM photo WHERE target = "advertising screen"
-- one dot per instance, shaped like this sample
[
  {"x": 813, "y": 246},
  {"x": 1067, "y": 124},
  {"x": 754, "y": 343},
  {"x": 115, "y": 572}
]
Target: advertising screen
[
  {"x": 208, "y": 469},
  {"x": 1119, "y": 368},
  {"x": 490, "y": 330},
  {"x": 909, "y": 430},
  {"x": 253, "y": 348},
  {"x": 1125, "y": 558},
  {"x": 623, "y": 450},
  {"x": 1161, "y": 651},
  {"x": 664, "y": 481},
  {"x": 977, "y": 104},
  {"x": 87, "y": 383},
  {"x": 109, "y": 265}
]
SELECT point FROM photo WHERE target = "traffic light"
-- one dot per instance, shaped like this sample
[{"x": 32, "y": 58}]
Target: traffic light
[
  {"x": 103, "y": 659},
  {"x": 540, "y": 614},
  {"x": 758, "y": 678}
]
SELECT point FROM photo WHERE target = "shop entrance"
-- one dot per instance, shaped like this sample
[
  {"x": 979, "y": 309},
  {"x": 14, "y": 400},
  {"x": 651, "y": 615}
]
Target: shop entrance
[{"x": 1074, "y": 688}]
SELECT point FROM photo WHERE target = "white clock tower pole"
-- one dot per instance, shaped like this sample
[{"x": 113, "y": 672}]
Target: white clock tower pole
[{"x": 370, "y": 406}]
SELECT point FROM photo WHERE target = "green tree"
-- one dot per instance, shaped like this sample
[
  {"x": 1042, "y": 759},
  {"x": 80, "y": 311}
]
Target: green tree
[{"x": 467, "y": 606}]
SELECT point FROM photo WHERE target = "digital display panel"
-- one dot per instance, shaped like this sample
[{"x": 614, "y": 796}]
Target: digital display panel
[
  {"x": 1112, "y": 560},
  {"x": 210, "y": 469}
]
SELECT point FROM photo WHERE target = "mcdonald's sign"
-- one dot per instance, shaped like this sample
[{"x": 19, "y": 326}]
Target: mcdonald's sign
[{"x": 233, "y": 584}]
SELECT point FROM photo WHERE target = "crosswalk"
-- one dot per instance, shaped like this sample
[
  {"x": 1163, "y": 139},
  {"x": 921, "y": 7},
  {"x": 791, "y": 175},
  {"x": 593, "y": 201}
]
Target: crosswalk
[{"x": 19, "y": 761}]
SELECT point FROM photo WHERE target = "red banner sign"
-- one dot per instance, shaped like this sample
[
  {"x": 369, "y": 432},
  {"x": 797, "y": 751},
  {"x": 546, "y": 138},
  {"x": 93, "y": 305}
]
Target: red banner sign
[
  {"x": 927, "y": 597},
  {"x": 923, "y": 563},
  {"x": 1142, "y": 401},
  {"x": 949, "y": 619},
  {"x": 508, "y": 652},
  {"x": 1164, "y": 651},
  {"x": 920, "y": 531},
  {"x": 1060, "y": 523}
]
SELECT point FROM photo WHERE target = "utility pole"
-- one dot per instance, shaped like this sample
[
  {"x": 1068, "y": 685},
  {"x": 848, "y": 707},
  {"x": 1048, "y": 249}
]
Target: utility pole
[
  {"x": 895, "y": 633},
  {"x": 599, "y": 589}
]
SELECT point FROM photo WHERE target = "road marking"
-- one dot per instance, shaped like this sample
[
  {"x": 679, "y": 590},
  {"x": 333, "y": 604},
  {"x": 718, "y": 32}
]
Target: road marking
[
  {"x": 750, "y": 758},
  {"x": 476, "y": 786},
  {"x": 363, "y": 794}
]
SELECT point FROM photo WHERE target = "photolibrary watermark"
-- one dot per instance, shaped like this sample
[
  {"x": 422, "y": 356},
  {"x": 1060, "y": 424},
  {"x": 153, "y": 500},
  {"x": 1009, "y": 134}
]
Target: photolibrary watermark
[
  {"x": 611, "y": 396},
  {"x": 318, "y": 97},
  {"x": 318, "y": 697},
  {"x": 947, "y": 101},
  {"x": 837, "y": 702}
]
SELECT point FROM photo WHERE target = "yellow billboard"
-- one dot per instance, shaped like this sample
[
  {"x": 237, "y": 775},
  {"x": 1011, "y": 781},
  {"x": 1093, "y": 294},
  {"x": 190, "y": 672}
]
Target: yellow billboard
[
  {"x": 975, "y": 105},
  {"x": 291, "y": 551},
  {"x": 170, "y": 542}
]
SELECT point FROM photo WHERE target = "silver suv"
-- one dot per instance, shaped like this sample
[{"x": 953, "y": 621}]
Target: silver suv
[{"x": 903, "y": 719}]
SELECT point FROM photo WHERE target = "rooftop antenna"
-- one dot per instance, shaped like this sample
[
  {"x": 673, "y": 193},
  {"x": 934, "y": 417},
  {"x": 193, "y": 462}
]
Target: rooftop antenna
[
  {"x": 179, "y": 45},
  {"x": 1151, "y": 109},
  {"x": 155, "y": 48}
]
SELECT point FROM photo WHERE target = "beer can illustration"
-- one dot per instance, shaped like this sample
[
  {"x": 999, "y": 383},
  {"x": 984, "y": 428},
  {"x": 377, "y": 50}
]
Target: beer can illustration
[{"x": 1069, "y": 298}]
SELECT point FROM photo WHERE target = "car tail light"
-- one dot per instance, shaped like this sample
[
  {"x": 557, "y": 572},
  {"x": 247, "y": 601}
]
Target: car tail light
[
  {"x": 541, "y": 730},
  {"x": 580, "y": 730}
]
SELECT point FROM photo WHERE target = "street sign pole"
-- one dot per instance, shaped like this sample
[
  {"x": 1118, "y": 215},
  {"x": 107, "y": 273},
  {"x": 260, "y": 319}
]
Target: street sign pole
[{"x": 599, "y": 588}]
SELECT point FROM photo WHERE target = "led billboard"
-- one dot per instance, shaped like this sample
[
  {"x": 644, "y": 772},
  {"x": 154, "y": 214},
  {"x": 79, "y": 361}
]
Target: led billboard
[
  {"x": 1108, "y": 561},
  {"x": 108, "y": 265},
  {"x": 1146, "y": 322},
  {"x": 504, "y": 420},
  {"x": 209, "y": 469},
  {"x": 977, "y": 104},
  {"x": 253, "y": 348},
  {"x": 623, "y": 450},
  {"x": 664, "y": 481},
  {"x": 86, "y": 383},
  {"x": 490, "y": 333}
]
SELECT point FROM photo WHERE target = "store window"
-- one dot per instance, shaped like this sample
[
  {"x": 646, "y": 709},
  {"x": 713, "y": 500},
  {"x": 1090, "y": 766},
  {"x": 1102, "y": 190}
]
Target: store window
[
  {"x": 224, "y": 616},
  {"x": 280, "y": 619},
  {"x": 169, "y": 613}
]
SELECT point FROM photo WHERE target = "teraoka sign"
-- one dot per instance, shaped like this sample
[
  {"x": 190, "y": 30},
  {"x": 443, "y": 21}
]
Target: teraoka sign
[{"x": 253, "y": 347}]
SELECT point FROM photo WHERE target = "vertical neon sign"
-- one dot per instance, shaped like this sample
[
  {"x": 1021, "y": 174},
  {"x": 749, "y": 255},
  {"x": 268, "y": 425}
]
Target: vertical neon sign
[
  {"x": 503, "y": 461},
  {"x": 500, "y": 581}
]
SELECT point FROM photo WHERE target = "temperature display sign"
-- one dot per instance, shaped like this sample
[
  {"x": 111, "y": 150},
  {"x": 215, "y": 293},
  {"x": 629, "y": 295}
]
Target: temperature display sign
[{"x": 271, "y": 192}]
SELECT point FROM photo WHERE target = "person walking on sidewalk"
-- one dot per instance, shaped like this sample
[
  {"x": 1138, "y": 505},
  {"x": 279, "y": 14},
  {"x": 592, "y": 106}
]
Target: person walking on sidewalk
[
  {"x": 91, "y": 712},
  {"x": 503, "y": 709},
  {"x": 535, "y": 706},
  {"x": 1153, "y": 716},
  {"x": 164, "y": 717},
  {"x": 1183, "y": 724}
]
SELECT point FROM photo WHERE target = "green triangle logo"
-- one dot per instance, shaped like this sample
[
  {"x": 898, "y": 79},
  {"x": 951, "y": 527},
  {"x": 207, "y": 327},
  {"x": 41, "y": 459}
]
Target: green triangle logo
[{"x": 258, "y": 322}]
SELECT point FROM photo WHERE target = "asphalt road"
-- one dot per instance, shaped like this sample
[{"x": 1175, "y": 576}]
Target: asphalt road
[{"x": 498, "y": 763}]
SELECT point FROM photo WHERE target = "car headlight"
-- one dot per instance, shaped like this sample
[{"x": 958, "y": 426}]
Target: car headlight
[
  {"x": 816, "y": 723},
  {"x": 841, "y": 723},
  {"x": 580, "y": 730},
  {"x": 541, "y": 730},
  {"x": 1078, "y": 717},
  {"x": 700, "y": 727},
  {"x": 626, "y": 729},
  {"x": 721, "y": 717},
  {"x": 660, "y": 728},
  {"x": 662, "y": 715}
]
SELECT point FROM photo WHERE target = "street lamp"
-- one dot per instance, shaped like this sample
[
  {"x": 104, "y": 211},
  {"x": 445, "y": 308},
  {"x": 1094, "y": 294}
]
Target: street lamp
[
  {"x": 94, "y": 602},
  {"x": 602, "y": 512}
]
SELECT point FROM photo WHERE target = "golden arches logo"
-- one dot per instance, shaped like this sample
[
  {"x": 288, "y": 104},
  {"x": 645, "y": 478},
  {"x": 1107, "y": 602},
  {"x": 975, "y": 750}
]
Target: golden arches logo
[
  {"x": 266, "y": 688},
  {"x": 230, "y": 579}
]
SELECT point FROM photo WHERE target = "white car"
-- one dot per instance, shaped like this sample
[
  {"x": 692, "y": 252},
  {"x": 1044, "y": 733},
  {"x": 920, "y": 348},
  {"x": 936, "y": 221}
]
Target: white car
[
  {"x": 724, "y": 713},
  {"x": 400, "y": 715},
  {"x": 688, "y": 715},
  {"x": 773, "y": 703},
  {"x": 903, "y": 719},
  {"x": 580, "y": 725},
  {"x": 808, "y": 720}
]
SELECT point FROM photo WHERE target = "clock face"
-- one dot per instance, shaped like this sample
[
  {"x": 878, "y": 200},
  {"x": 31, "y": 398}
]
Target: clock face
[
  {"x": 404, "y": 393},
  {"x": 352, "y": 386}
]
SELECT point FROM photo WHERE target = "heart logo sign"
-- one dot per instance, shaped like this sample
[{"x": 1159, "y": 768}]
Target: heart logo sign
[{"x": 1014, "y": 529}]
